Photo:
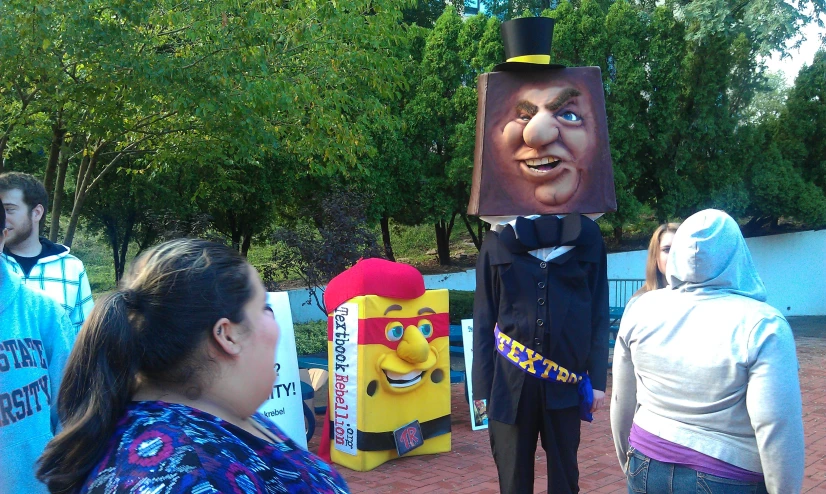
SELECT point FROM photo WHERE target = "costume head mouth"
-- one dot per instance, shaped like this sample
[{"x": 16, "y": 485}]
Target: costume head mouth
[
  {"x": 546, "y": 168},
  {"x": 540, "y": 169},
  {"x": 397, "y": 380}
]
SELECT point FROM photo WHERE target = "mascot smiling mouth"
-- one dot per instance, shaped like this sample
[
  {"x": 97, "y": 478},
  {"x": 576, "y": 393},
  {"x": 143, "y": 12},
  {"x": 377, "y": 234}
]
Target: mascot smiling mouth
[{"x": 403, "y": 380}]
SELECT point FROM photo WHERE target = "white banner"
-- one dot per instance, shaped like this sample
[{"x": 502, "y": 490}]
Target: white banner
[
  {"x": 344, "y": 378},
  {"x": 478, "y": 411},
  {"x": 285, "y": 407}
]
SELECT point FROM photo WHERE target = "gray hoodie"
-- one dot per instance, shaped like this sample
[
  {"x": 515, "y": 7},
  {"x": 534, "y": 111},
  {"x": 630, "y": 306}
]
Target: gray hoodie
[{"x": 705, "y": 363}]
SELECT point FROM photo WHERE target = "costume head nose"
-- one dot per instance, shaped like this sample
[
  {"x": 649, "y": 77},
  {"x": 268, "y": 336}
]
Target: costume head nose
[
  {"x": 413, "y": 348},
  {"x": 540, "y": 131}
]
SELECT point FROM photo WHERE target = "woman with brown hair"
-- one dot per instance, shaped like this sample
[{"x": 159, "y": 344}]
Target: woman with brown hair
[
  {"x": 161, "y": 390},
  {"x": 658, "y": 249}
]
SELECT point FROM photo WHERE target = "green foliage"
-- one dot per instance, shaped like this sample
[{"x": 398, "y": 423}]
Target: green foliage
[
  {"x": 311, "y": 337},
  {"x": 511, "y": 9},
  {"x": 768, "y": 101},
  {"x": 235, "y": 119},
  {"x": 767, "y": 23},
  {"x": 801, "y": 128},
  {"x": 786, "y": 154},
  {"x": 203, "y": 82},
  {"x": 461, "y": 305},
  {"x": 438, "y": 106}
]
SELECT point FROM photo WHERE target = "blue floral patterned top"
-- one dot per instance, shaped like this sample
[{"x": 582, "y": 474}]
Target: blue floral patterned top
[{"x": 167, "y": 448}]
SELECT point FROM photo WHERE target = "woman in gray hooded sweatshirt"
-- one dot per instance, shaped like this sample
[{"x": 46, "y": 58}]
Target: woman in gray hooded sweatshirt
[{"x": 706, "y": 396}]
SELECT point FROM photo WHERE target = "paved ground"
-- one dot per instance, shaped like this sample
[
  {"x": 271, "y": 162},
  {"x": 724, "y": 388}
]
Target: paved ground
[{"x": 469, "y": 466}]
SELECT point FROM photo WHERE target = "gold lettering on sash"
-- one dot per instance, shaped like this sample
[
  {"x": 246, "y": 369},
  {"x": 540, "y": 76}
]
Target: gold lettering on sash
[
  {"x": 515, "y": 349},
  {"x": 563, "y": 374},
  {"x": 528, "y": 364},
  {"x": 549, "y": 366},
  {"x": 504, "y": 340}
]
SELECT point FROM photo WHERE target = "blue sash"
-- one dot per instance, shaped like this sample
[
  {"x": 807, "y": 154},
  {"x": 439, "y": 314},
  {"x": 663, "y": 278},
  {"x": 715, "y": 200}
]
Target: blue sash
[{"x": 534, "y": 364}]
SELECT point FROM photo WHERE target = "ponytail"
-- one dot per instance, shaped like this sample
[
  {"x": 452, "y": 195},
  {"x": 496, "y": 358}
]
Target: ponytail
[{"x": 98, "y": 383}]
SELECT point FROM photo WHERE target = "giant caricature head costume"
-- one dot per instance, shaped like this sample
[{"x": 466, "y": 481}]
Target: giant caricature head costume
[
  {"x": 389, "y": 365},
  {"x": 542, "y": 133}
]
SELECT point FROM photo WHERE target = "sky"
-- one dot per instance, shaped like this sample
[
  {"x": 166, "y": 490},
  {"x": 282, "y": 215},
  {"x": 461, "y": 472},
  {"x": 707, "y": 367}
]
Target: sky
[{"x": 798, "y": 57}]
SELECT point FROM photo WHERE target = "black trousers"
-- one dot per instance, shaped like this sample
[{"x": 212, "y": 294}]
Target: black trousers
[{"x": 514, "y": 446}]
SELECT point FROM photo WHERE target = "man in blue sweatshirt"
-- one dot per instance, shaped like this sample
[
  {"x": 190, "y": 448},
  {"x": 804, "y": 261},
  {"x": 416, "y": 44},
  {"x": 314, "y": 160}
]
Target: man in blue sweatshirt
[{"x": 36, "y": 337}]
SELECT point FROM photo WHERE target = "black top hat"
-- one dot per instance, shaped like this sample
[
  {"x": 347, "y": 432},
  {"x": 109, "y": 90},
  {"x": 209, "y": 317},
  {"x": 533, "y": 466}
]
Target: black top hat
[{"x": 527, "y": 45}]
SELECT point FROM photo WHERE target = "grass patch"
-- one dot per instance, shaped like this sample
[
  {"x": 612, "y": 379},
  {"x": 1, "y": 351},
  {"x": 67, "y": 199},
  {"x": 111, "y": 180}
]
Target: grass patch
[
  {"x": 416, "y": 245},
  {"x": 96, "y": 256}
]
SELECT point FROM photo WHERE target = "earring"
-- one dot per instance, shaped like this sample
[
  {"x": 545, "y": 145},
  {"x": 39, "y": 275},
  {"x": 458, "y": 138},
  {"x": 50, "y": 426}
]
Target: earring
[{"x": 219, "y": 330}]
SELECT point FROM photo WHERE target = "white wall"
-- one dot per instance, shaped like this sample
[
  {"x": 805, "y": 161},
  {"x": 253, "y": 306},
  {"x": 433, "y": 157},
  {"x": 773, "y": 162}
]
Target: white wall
[
  {"x": 792, "y": 266},
  {"x": 465, "y": 280}
]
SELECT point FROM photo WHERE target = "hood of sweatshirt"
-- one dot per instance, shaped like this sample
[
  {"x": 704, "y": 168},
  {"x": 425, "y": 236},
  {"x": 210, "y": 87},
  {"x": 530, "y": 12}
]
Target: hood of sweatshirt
[
  {"x": 709, "y": 255},
  {"x": 9, "y": 285}
]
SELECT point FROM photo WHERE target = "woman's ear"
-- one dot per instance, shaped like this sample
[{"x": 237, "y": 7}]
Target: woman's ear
[{"x": 227, "y": 336}]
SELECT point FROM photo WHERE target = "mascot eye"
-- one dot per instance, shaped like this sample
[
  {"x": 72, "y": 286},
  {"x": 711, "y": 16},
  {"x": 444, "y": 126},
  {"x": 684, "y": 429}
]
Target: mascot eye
[
  {"x": 394, "y": 331},
  {"x": 570, "y": 116},
  {"x": 426, "y": 328}
]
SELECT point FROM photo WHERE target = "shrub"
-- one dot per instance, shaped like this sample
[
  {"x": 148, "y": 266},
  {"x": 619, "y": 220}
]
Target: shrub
[
  {"x": 339, "y": 236},
  {"x": 461, "y": 305},
  {"x": 311, "y": 337}
]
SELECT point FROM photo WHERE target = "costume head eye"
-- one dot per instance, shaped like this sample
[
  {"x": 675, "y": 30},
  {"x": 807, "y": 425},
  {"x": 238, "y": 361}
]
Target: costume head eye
[
  {"x": 426, "y": 328},
  {"x": 394, "y": 331},
  {"x": 570, "y": 116}
]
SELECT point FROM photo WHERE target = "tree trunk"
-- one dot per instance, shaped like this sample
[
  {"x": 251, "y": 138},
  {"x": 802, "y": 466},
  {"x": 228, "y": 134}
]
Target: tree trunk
[
  {"x": 385, "y": 237},
  {"x": 112, "y": 234},
  {"x": 3, "y": 143},
  {"x": 245, "y": 245},
  {"x": 234, "y": 232},
  {"x": 84, "y": 178},
  {"x": 443, "y": 241},
  {"x": 124, "y": 247},
  {"x": 58, "y": 133},
  {"x": 481, "y": 231},
  {"x": 476, "y": 238},
  {"x": 57, "y": 199},
  {"x": 618, "y": 234}
]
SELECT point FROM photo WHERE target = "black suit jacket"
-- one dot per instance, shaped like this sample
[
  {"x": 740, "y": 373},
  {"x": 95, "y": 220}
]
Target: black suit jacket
[{"x": 558, "y": 308}]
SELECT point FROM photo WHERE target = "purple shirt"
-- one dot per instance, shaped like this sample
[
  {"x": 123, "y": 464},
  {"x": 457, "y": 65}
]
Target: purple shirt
[{"x": 665, "y": 451}]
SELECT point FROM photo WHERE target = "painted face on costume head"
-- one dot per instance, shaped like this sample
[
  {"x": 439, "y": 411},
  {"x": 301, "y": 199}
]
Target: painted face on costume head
[
  {"x": 549, "y": 142},
  {"x": 545, "y": 146},
  {"x": 414, "y": 336}
]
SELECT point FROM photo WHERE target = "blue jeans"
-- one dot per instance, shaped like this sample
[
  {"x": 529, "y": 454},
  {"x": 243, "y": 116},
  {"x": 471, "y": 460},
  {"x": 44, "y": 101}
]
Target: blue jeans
[{"x": 646, "y": 475}]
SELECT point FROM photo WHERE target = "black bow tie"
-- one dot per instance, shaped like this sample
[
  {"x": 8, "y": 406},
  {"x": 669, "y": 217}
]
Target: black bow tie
[{"x": 543, "y": 232}]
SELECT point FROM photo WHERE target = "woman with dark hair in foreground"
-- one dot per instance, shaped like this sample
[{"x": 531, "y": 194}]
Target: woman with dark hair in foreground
[{"x": 161, "y": 390}]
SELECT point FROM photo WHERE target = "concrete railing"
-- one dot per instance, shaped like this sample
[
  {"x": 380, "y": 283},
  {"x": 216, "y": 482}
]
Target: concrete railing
[{"x": 792, "y": 266}]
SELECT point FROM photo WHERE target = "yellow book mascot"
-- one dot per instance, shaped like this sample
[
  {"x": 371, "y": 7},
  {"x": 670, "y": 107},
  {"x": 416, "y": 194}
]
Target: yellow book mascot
[{"x": 389, "y": 366}]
